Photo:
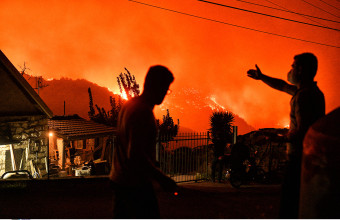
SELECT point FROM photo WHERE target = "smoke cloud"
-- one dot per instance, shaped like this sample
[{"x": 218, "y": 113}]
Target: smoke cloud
[{"x": 95, "y": 40}]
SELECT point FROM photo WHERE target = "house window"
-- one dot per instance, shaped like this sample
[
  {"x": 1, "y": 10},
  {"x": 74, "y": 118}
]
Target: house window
[
  {"x": 89, "y": 144},
  {"x": 78, "y": 144}
]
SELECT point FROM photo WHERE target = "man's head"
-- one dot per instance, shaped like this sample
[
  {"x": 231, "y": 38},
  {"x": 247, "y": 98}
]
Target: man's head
[
  {"x": 303, "y": 69},
  {"x": 157, "y": 82}
]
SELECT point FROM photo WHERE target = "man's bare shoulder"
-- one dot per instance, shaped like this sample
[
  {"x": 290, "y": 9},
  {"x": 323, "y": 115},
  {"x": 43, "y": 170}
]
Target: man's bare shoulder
[{"x": 136, "y": 108}]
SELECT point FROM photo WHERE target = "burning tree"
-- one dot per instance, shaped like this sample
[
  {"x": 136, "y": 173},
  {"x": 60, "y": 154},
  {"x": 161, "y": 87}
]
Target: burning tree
[
  {"x": 127, "y": 85},
  {"x": 109, "y": 118},
  {"x": 129, "y": 88}
]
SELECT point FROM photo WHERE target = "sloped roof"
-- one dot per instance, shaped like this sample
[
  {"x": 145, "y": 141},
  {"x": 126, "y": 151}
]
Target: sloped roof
[
  {"x": 17, "y": 97},
  {"x": 76, "y": 128}
]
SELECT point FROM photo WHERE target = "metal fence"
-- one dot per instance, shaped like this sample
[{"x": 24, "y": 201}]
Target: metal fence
[{"x": 184, "y": 157}]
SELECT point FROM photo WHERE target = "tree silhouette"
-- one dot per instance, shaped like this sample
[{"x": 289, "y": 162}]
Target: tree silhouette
[
  {"x": 167, "y": 129},
  {"x": 39, "y": 81},
  {"x": 116, "y": 104},
  {"x": 92, "y": 112},
  {"x": 105, "y": 117},
  {"x": 221, "y": 126},
  {"x": 23, "y": 69},
  {"x": 128, "y": 85}
]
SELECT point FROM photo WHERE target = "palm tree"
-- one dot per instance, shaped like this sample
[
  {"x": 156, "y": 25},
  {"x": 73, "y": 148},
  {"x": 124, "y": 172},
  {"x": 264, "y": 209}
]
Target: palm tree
[
  {"x": 221, "y": 126},
  {"x": 221, "y": 133}
]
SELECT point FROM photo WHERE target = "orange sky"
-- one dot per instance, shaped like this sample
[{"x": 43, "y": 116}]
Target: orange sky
[{"x": 95, "y": 40}]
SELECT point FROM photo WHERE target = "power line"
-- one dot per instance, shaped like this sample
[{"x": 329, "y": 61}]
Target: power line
[
  {"x": 320, "y": 8},
  {"x": 234, "y": 25},
  {"x": 329, "y": 4},
  {"x": 286, "y": 10},
  {"x": 303, "y": 15},
  {"x": 254, "y": 12}
]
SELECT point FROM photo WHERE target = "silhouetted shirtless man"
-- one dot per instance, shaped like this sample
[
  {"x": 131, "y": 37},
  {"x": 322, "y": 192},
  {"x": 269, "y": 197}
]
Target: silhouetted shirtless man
[
  {"x": 306, "y": 106},
  {"x": 133, "y": 169}
]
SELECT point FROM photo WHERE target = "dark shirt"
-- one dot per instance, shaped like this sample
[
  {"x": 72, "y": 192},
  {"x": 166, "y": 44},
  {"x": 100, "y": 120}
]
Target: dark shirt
[
  {"x": 219, "y": 147},
  {"x": 135, "y": 154},
  {"x": 239, "y": 153},
  {"x": 307, "y": 105}
]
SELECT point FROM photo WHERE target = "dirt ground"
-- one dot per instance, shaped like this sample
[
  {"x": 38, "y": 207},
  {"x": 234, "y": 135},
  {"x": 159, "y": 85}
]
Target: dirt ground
[
  {"x": 82, "y": 198},
  {"x": 220, "y": 200}
]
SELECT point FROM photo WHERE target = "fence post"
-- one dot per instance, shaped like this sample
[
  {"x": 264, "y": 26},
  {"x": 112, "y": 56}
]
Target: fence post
[
  {"x": 234, "y": 134},
  {"x": 184, "y": 156},
  {"x": 207, "y": 156},
  {"x": 157, "y": 148}
]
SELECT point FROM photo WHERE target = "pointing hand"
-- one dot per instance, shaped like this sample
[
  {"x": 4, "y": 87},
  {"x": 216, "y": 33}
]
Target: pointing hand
[{"x": 255, "y": 74}]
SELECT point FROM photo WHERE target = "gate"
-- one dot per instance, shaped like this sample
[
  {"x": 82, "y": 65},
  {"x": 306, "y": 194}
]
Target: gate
[{"x": 185, "y": 157}]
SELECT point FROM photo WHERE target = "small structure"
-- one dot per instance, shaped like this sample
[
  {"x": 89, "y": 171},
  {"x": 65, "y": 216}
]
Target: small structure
[
  {"x": 74, "y": 141},
  {"x": 268, "y": 147},
  {"x": 23, "y": 124}
]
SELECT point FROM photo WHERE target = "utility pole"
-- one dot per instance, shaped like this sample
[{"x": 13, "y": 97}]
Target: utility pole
[
  {"x": 38, "y": 79},
  {"x": 39, "y": 83}
]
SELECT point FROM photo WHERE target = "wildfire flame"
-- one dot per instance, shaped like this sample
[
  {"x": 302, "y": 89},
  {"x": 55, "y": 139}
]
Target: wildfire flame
[
  {"x": 124, "y": 96},
  {"x": 212, "y": 98}
]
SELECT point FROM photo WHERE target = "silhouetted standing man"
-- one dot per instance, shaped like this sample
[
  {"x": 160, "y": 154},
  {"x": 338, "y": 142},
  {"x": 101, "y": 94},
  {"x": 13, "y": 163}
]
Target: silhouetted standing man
[
  {"x": 307, "y": 105},
  {"x": 133, "y": 169},
  {"x": 220, "y": 143}
]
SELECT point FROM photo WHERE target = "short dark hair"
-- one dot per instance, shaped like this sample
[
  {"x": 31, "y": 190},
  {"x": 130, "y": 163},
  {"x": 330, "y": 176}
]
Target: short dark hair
[
  {"x": 158, "y": 75},
  {"x": 309, "y": 64}
]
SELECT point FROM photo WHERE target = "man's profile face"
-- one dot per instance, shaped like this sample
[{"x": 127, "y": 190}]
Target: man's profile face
[
  {"x": 293, "y": 74},
  {"x": 161, "y": 93}
]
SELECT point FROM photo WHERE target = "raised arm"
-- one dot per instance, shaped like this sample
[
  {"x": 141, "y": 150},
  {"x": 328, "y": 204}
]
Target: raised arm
[{"x": 275, "y": 83}]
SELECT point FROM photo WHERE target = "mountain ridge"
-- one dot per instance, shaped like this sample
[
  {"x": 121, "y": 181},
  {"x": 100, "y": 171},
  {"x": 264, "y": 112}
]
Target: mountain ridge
[{"x": 192, "y": 108}]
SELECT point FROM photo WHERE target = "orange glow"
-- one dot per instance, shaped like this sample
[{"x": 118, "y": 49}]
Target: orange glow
[
  {"x": 95, "y": 40},
  {"x": 124, "y": 96}
]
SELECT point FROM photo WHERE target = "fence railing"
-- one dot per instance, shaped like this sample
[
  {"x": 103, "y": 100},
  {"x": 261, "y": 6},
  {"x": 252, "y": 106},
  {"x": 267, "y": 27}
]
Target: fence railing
[{"x": 184, "y": 157}]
